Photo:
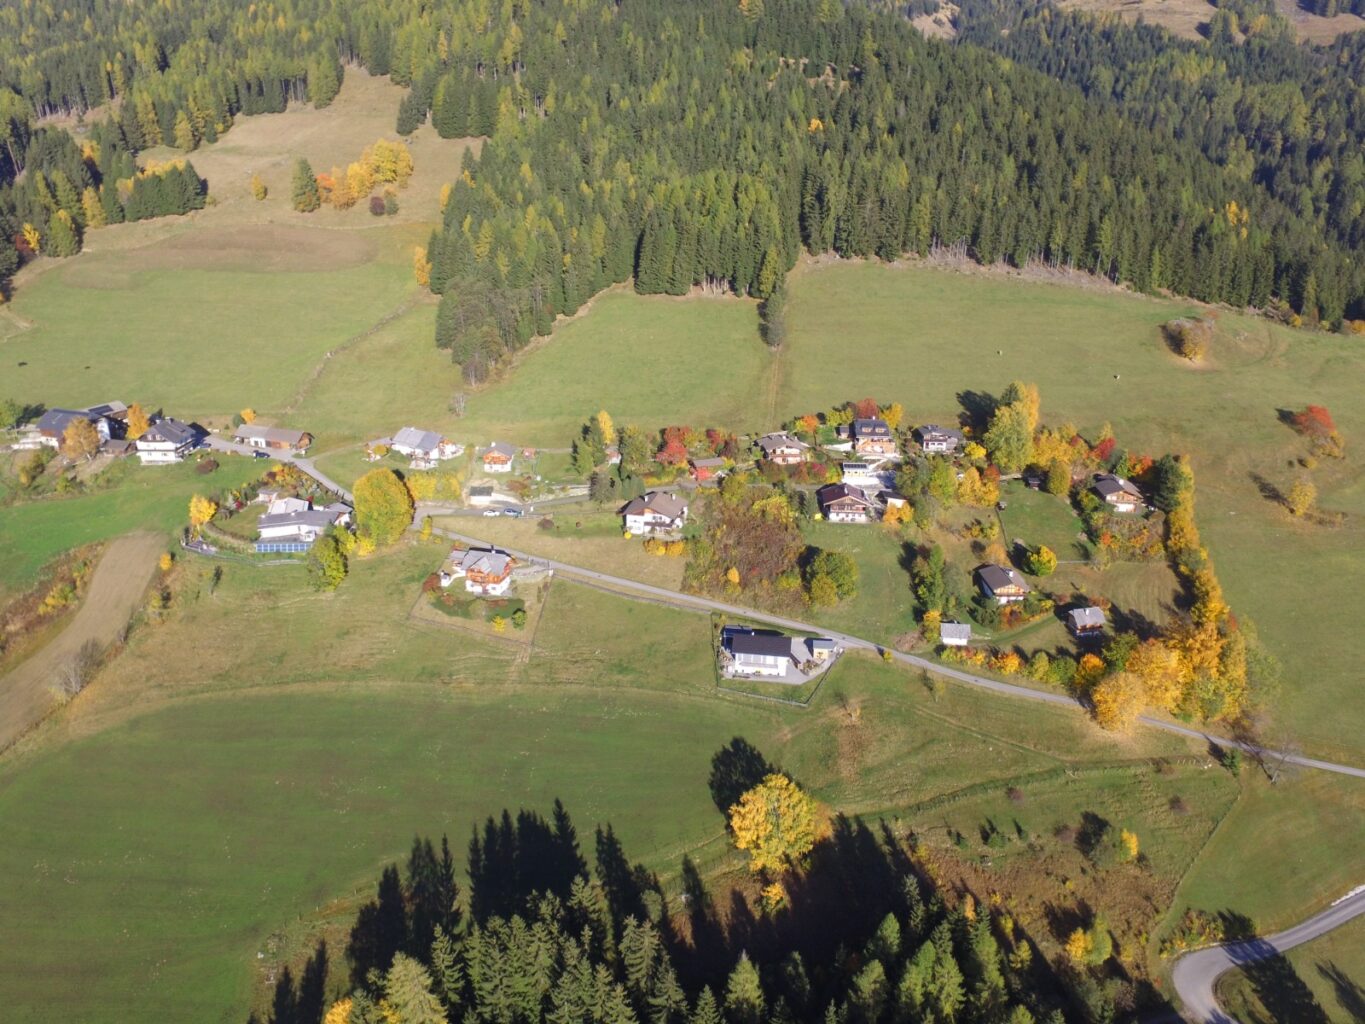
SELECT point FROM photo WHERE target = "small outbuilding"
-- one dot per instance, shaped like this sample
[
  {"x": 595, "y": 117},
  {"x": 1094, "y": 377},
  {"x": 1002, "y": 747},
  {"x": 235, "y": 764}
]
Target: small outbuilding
[{"x": 955, "y": 634}]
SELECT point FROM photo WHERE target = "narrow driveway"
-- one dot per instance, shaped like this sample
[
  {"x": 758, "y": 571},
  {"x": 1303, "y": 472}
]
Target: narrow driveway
[
  {"x": 695, "y": 602},
  {"x": 1197, "y": 973},
  {"x": 304, "y": 463}
]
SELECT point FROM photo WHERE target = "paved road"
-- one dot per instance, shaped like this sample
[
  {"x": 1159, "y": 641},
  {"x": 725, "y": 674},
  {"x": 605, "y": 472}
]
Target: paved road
[
  {"x": 1197, "y": 973},
  {"x": 304, "y": 463},
  {"x": 114, "y": 592},
  {"x": 698, "y": 603}
]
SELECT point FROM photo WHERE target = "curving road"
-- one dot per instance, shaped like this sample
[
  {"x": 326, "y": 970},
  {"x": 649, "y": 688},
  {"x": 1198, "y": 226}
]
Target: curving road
[
  {"x": 695, "y": 602},
  {"x": 304, "y": 463},
  {"x": 1197, "y": 973}
]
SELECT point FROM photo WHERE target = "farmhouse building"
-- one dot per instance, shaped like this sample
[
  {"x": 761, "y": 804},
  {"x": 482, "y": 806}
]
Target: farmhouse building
[
  {"x": 485, "y": 571},
  {"x": 936, "y": 440},
  {"x": 845, "y": 503},
  {"x": 51, "y": 427},
  {"x": 498, "y": 458},
  {"x": 166, "y": 441},
  {"x": 654, "y": 512},
  {"x": 1002, "y": 583},
  {"x": 1085, "y": 622},
  {"x": 424, "y": 445},
  {"x": 1119, "y": 494},
  {"x": 272, "y": 438},
  {"x": 782, "y": 449},
  {"x": 873, "y": 438}
]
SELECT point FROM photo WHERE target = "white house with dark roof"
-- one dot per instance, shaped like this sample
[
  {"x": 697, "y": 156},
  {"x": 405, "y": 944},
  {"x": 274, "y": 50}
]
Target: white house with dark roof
[
  {"x": 1119, "y": 494},
  {"x": 654, "y": 512},
  {"x": 1003, "y": 583},
  {"x": 498, "y": 457},
  {"x": 872, "y": 438},
  {"x": 782, "y": 448},
  {"x": 167, "y": 441},
  {"x": 293, "y": 524},
  {"x": 936, "y": 440},
  {"x": 486, "y": 571},
  {"x": 845, "y": 503}
]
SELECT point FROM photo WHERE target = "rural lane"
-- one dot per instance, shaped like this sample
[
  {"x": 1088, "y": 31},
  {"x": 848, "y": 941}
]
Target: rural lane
[
  {"x": 112, "y": 595},
  {"x": 1197, "y": 973},
  {"x": 695, "y": 602},
  {"x": 217, "y": 444}
]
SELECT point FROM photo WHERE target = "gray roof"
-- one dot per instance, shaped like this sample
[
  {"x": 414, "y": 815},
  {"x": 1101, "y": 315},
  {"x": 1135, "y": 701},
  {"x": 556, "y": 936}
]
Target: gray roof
[
  {"x": 1108, "y": 484},
  {"x": 821, "y": 643},
  {"x": 771, "y": 645},
  {"x": 318, "y": 519},
  {"x": 55, "y": 421},
  {"x": 871, "y": 428},
  {"x": 708, "y": 463},
  {"x": 171, "y": 430},
  {"x": 489, "y": 560},
  {"x": 1081, "y": 618},
  {"x": 772, "y": 442},
  {"x": 278, "y": 435},
  {"x": 944, "y": 433},
  {"x": 955, "y": 631},
  {"x": 997, "y": 577},
  {"x": 481, "y": 491},
  {"x": 116, "y": 409},
  {"x": 664, "y": 503},
  {"x": 502, "y": 448},
  {"x": 423, "y": 440}
]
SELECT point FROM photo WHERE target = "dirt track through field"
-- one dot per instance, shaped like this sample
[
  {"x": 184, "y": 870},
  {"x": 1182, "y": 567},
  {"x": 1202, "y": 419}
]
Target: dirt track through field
[{"x": 116, "y": 588}]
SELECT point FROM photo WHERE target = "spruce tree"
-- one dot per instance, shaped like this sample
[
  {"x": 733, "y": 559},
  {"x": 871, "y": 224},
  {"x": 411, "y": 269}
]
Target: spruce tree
[{"x": 304, "y": 189}]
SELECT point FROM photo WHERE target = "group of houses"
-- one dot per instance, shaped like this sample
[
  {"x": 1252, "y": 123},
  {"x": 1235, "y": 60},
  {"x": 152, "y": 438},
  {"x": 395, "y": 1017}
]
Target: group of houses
[{"x": 166, "y": 440}]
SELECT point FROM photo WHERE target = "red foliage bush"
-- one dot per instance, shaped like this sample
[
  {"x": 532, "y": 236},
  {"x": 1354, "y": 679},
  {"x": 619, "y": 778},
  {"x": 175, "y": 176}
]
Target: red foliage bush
[
  {"x": 1104, "y": 449},
  {"x": 867, "y": 408},
  {"x": 1314, "y": 421}
]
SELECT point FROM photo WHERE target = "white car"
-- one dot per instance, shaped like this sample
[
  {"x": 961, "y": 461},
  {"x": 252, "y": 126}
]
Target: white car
[{"x": 491, "y": 512}]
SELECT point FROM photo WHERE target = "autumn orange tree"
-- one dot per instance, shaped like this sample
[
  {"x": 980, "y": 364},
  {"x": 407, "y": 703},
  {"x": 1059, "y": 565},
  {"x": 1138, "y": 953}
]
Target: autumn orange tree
[
  {"x": 80, "y": 440},
  {"x": 774, "y": 822},
  {"x": 138, "y": 421}
]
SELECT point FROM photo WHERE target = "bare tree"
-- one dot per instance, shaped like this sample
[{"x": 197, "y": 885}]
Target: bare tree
[
  {"x": 73, "y": 674},
  {"x": 457, "y": 403}
]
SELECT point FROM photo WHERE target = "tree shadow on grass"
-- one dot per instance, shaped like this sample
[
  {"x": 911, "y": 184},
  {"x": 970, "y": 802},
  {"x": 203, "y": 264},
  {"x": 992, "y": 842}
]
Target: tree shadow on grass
[
  {"x": 1349, "y": 994},
  {"x": 736, "y": 769}
]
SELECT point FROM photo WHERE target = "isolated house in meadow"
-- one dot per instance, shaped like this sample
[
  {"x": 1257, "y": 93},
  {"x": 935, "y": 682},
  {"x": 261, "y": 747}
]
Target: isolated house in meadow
[
  {"x": 845, "y": 503},
  {"x": 872, "y": 438},
  {"x": 426, "y": 445},
  {"x": 936, "y": 440},
  {"x": 1002, "y": 583},
  {"x": 782, "y": 449},
  {"x": 955, "y": 634},
  {"x": 1119, "y": 494},
  {"x": 760, "y": 654},
  {"x": 278, "y": 439},
  {"x": 1085, "y": 623},
  {"x": 486, "y": 571},
  {"x": 167, "y": 441},
  {"x": 498, "y": 458},
  {"x": 654, "y": 512}
]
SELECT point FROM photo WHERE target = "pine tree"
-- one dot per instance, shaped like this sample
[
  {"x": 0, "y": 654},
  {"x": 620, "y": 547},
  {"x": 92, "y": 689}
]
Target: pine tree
[
  {"x": 744, "y": 1002},
  {"x": 407, "y": 988},
  {"x": 706, "y": 1011},
  {"x": 184, "y": 133},
  {"x": 304, "y": 191},
  {"x": 62, "y": 239}
]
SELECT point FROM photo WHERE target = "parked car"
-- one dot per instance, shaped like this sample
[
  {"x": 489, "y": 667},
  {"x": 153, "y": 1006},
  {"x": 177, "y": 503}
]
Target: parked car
[
  {"x": 260, "y": 455},
  {"x": 515, "y": 513},
  {"x": 490, "y": 512}
]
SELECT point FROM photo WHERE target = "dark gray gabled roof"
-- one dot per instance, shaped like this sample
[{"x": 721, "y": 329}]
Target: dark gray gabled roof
[
  {"x": 770, "y": 645},
  {"x": 831, "y": 493},
  {"x": 773, "y": 442},
  {"x": 1108, "y": 485},
  {"x": 661, "y": 502},
  {"x": 871, "y": 428},
  {"x": 997, "y": 577},
  {"x": 933, "y": 430},
  {"x": 172, "y": 431},
  {"x": 54, "y": 422}
]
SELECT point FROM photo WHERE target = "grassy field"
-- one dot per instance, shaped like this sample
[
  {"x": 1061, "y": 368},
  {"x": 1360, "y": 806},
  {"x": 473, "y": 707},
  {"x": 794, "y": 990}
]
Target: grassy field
[
  {"x": 1189, "y": 18},
  {"x": 649, "y": 360},
  {"x": 1098, "y": 358},
  {"x": 1332, "y": 968},
  {"x": 298, "y": 741},
  {"x": 151, "y": 497}
]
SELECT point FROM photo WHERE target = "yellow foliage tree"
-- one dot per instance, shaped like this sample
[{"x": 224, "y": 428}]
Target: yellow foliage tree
[
  {"x": 32, "y": 238},
  {"x": 608, "y": 428},
  {"x": 248, "y": 415},
  {"x": 202, "y": 510},
  {"x": 1118, "y": 701},
  {"x": 421, "y": 266},
  {"x": 732, "y": 574},
  {"x": 1301, "y": 498},
  {"x": 359, "y": 181},
  {"x": 339, "y": 1012},
  {"x": 933, "y": 619},
  {"x": 893, "y": 414},
  {"x": 1159, "y": 668},
  {"x": 165, "y": 562},
  {"x": 895, "y": 515},
  {"x": 80, "y": 440},
  {"x": 774, "y": 822},
  {"x": 446, "y": 189},
  {"x": 92, "y": 211},
  {"x": 1080, "y": 947},
  {"x": 138, "y": 421},
  {"x": 974, "y": 451},
  {"x": 258, "y": 189},
  {"x": 1128, "y": 841},
  {"x": 974, "y": 489}
]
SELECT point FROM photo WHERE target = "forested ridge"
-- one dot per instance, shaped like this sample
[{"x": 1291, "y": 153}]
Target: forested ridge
[{"x": 710, "y": 143}]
